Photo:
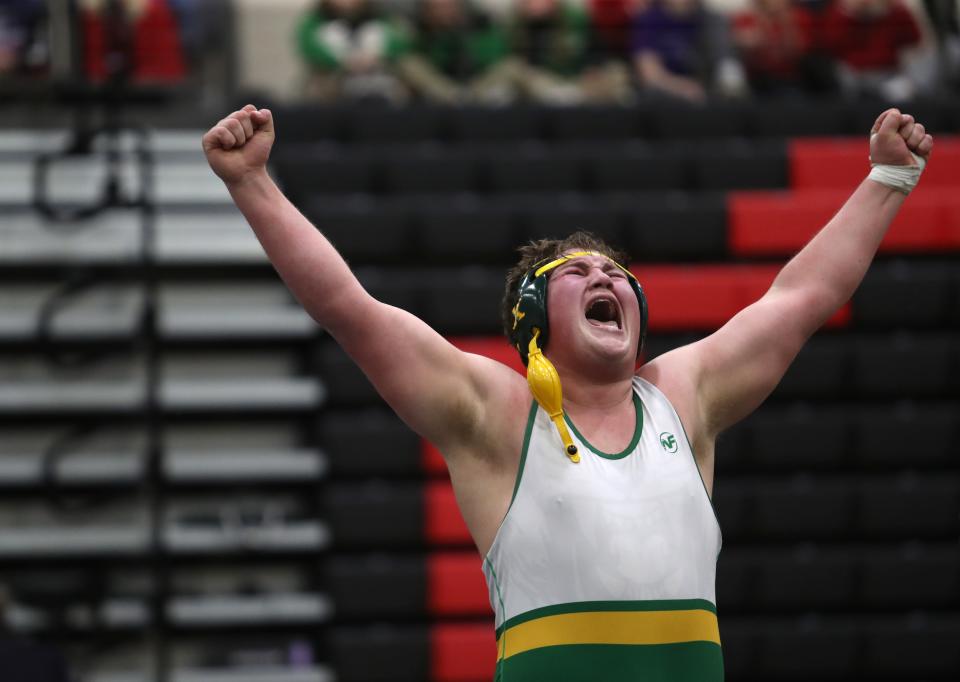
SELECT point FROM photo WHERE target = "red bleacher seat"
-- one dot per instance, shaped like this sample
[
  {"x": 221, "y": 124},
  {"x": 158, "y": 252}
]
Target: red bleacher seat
[
  {"x": 455, "y": 585},
  {"x": 442, "y": 520},
  {"x": 841, "y": 163},
  {"x": 462, "y": 652},
  {"x": 768, "y": 224},
  {"x": 706, "y": 296}
]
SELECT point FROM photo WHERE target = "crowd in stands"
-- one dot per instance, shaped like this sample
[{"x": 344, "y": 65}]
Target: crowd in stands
[
  {"x": 557, "y": 52},
  {"x": 622, "y": 51}
]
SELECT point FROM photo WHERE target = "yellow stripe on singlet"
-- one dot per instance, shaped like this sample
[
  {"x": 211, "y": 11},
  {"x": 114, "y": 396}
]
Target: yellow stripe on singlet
[{"x": 610, "y": 627}]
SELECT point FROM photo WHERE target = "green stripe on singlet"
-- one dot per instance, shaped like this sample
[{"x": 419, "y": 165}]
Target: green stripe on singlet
[{"x": 685, "y": 662}]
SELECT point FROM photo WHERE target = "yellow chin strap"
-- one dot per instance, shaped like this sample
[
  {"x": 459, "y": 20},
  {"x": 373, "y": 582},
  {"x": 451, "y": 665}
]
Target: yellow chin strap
[{"x": 545, "y": 386}]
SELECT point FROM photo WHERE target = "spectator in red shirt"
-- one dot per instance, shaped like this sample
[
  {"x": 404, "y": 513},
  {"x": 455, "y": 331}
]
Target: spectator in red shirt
[
  {"x": 135, "y": 40},
  {"x": 867, "y": 38},
  {"x": 775, "y": 40}
]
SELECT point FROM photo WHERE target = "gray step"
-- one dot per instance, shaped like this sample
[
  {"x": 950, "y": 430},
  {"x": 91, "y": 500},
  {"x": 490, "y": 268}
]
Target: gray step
[
  {"x": 228, "y": 466},
  {"x": 262, "y": 609},
  {"x": 182, "y": 395}
]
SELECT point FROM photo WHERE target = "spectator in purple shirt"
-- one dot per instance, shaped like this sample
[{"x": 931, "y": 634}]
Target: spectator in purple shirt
[{"x": 681, "y": 49}]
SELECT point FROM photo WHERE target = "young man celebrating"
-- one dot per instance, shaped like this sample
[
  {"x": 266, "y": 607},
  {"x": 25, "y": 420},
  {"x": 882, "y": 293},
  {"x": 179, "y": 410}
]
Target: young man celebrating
[{"x": 586, "y": 488}]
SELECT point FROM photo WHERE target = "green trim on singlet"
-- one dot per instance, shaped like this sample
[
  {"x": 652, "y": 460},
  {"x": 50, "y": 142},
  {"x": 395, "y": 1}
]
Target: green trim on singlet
[
  {"x": 531, "y": 418},
  {"x": 637, "y": 432}
]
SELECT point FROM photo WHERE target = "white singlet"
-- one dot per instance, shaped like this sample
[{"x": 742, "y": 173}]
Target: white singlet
[{"x": 608, "y": 564}]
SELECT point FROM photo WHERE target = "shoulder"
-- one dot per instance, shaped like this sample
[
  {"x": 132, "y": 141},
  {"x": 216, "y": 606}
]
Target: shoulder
[{"x": 675, "y": 376}]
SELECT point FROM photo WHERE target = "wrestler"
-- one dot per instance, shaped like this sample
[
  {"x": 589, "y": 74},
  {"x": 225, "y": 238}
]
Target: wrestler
[{"x": 586, "y": 487}]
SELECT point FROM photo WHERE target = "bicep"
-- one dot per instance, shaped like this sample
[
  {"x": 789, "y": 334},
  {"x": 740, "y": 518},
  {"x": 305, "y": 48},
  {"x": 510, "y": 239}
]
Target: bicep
[
  {"x": 438, "y": 390},
  {"x": 735, "y": 368}
]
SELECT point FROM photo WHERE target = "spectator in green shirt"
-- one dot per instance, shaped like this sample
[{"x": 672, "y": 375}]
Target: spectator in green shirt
[
  {"x": 560, "y": 61},
  {"x": 349, "y": 50},
  {"x": 457, "y": 55}
]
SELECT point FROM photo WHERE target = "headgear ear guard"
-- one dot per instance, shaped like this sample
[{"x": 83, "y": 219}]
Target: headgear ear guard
[{"x": 531, "y": 331}]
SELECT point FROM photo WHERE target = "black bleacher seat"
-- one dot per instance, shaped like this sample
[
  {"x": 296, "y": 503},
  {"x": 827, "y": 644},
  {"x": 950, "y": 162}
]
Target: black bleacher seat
[
  {"x": 733, "y": 452},
  {"x": 799, "y": 438},
  {"x": 740, "y": 165},
  {"x": 907, "y": 436},
  {"x": 363, "y": 231},
  {"x": 327, "y": 170},
  {"x": 822, "y": 368},
  {"x": 917, "y": 646},
  {"x": 531, "y": 168},
  {"x": 931, "y": 112},
  {"x": 565, "y": 215},
  {"x": 302, "y": 124},
  {"x": 594, "y": 123},
  {"x": 676, "y": 226},
  {"x": 376, "y": 587},
  {"x": 464, "y": 301},
  {"x": 741, "y": 644},
  {"x": 380, "y": 653},
  {"x": 430, "y": 169},
  {"x": 795, "y": 117},
  {"x": 806, "y": 579},
  {"x": 737, "y": 573},
  {"x": 635, "y": 167},
  {"x": 671, "y": 120},
  {"x": 393, "y": 286},
  {"x": 466, "y": 230},
  {"x": 478, "y": 124},
  {"x": 802, "y": 507},
  {"x": 904, "y": 294},
  {"x": 840, "y": 579},
  {"x": 378, "y": 124},
  {"x": 904, "y": 365},
  {"x": 909, "y": 506},
  {"x": 808, "y": 648},
  {"x": 911, "y": 576},
  {"x": 374, "y": 515},
  {"x": 369, "y": 442}
]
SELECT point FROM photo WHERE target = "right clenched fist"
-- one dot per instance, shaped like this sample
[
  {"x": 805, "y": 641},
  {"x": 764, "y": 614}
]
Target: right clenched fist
[{"x": 239, "y": 145}]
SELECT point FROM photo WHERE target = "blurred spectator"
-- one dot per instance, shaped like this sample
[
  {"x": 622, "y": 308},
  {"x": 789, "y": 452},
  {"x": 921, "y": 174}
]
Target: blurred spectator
[
  {"x": 868, "y": 39},
  {"x": 946, "y": 28},
  {"x": 131, "y": 39},
  {"x": 457, "y": 55},
  {"x": 611, "y": 22},
  {"x": 350, "y": 49},
  {"x": 681, "y": 49},
  {"x": 558, "y": 59},
  {"x": 776, "y": 44},
  {"x": 23, "y": 49}
]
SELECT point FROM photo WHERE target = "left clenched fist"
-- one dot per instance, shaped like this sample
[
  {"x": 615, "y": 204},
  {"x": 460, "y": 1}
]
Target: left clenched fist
[{"x": 894, "y": 136}]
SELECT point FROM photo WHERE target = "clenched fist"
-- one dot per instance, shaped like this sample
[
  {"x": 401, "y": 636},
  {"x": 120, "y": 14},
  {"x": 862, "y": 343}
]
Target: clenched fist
[
  {"x": 894, "y": 136},
  {"x": 239, "y": 145}
]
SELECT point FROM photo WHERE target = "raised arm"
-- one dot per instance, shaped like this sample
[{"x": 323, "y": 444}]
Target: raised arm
[
  {"x": 724, "y": 377},
  {"x": 441, "y": 392}
]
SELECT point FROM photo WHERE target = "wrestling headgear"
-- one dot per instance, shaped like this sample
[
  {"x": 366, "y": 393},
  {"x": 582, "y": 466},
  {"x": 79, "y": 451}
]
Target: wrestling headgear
[{"x": 530, "y": 334}]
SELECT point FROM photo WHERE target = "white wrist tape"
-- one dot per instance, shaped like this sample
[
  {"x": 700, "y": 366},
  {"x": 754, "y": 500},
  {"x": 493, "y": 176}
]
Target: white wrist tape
[{"x": 901, "y": 178}]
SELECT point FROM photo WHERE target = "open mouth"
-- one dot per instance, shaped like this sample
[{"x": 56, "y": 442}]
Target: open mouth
[{"x": 603, "y": 312}]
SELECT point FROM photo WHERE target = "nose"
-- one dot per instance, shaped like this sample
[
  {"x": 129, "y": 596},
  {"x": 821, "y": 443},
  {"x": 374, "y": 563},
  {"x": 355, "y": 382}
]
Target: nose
[{"x": 600, "y": 278}]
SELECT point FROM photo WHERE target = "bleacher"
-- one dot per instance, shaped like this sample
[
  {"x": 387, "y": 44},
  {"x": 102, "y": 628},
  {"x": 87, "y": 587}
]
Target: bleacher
[{"x": 292, "y": 529}]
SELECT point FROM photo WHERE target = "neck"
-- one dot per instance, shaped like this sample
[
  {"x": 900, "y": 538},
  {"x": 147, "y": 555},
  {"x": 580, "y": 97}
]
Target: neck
[{"x": 586, "y": 391}]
